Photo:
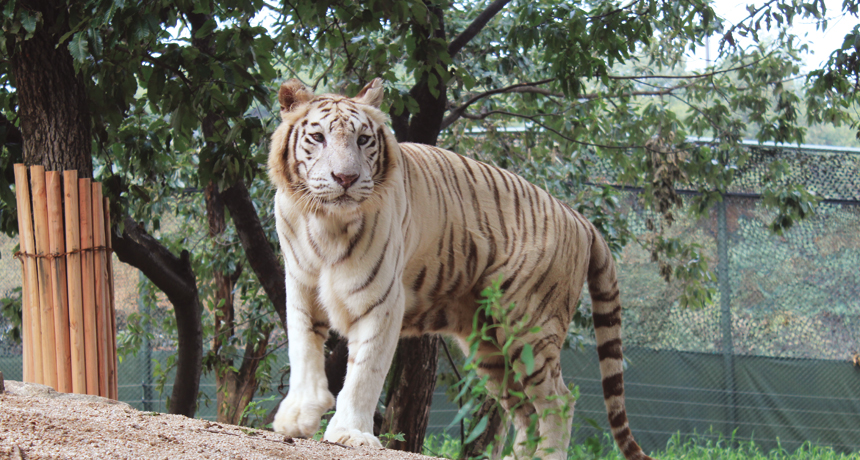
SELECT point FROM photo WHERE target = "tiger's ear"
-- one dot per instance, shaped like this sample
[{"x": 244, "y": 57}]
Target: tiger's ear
[
  {"x": 292, "y": 93},
  {"x": 371, "y": 94}
]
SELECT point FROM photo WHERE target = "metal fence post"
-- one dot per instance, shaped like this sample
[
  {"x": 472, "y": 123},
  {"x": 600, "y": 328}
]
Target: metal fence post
[
  {"x": 726, "y": 315},
  {"x": 146, "y": 384}
]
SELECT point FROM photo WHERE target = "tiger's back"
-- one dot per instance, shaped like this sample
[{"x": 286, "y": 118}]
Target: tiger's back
[
  {"x": 470, "y": 223},
  {"x": 384, "y": 239}
]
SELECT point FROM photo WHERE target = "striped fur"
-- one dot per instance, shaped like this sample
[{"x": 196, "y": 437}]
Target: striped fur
[{"x": 382, "y": 239}]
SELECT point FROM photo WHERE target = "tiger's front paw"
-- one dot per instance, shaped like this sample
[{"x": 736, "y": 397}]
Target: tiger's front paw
[
  {"x": 300, "y": 412},
  {"x": 352, "y": 437}
]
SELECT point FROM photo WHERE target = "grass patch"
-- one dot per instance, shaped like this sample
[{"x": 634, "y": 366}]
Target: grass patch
[{"x": 689, "y": 447}]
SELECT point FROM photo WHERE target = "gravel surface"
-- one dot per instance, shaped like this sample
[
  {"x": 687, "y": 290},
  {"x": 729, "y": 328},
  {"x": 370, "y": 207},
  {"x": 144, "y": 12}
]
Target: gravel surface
[{"x": 37, "y": 422}]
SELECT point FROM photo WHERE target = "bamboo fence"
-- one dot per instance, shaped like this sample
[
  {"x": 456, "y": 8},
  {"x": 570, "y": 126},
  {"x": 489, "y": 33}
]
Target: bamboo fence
[{"x": 69, "y": 318}]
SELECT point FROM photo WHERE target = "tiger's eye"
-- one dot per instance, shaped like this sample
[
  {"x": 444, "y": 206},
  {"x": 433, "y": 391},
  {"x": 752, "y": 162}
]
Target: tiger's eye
[
  {"x": 318, "y": 137},
  {"x": 363, "y": 139}
]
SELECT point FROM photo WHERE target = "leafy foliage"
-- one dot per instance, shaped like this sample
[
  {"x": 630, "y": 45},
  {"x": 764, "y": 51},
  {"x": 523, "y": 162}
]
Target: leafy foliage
[
  {"x": 705, "y": 446},
  {"x": 502, "y": 334},
  {"x": 10, "y": 308}
]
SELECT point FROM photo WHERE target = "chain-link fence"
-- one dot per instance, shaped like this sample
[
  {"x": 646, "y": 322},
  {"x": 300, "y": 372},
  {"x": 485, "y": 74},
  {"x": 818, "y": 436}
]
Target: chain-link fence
[{"x": 769, "y": 360}]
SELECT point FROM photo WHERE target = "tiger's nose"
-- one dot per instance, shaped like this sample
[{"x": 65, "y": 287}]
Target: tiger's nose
[{"x": 345, "y": 180}]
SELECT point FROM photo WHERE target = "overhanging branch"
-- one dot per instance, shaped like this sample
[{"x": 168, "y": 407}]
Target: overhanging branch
[
  {"x": 458, "y": 112},
  {"x": 171, "y": 274},
  {"x": 536, "y": 120},
  {"x": 686, "y": 77},
  {"x": 475, "y": 27}
]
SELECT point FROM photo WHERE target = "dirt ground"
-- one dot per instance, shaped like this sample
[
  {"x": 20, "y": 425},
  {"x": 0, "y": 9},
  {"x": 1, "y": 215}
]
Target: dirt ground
[{"x": 36, "y": 422}]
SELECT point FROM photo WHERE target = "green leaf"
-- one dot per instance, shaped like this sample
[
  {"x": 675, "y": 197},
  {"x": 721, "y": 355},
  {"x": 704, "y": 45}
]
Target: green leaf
[
  {"x": 468, "y": 81},
  {"x": 432, "y": 81},
  {"x": 266, "y": 69},
  {"x": 78, "y": 47},
  {"x": 29, "y": 23},
  {"x": 206, "y": 28},
  {"x": 528, "y": 358},
  {"x": 9, "y": 10},
  {"x": 202, "y": 7},
  {"x": 66, "y": 36},
  {"x": 480, "y": 427},
  {"x": 462, "y": 413}
]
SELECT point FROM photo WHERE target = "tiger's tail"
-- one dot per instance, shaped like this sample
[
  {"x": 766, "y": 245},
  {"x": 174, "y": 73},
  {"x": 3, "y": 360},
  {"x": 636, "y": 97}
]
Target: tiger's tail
[{"x": 606, "y": 310}]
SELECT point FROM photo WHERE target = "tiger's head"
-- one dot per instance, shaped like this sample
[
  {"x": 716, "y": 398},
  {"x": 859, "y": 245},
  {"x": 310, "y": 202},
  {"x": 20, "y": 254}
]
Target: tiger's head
[{"x": 331, "y": 152}]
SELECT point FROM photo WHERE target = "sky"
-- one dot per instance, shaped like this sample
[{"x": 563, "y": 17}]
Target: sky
[{"x": 821, "y": 43}]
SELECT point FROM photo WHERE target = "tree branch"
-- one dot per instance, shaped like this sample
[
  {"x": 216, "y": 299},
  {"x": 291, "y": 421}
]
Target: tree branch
[
  {"x": 175, "y": 277},
  {"x": 535, "y": 119},
  {"x": 682, "y": 77},
  {"x": 261, "y": 256},
  {"x": 460, "y": 111},
  {"x": 728, "y": 35},
  {"x": 475, "y": 27},
  {"x": 615, "y": 11},
  {"x": 531, "y": 87},
  {"x": 456, "y": 113}
]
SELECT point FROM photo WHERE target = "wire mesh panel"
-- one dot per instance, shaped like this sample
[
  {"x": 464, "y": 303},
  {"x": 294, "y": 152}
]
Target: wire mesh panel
[
  {"x": 796, "y": 295},
  {"x": 782, "y": 374},
  {"x": 10, "y": 289}
]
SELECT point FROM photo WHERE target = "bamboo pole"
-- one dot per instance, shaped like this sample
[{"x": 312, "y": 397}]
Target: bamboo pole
[
  {"x": 114, "y": 394},
  {"x": 32, "y": 331},
  {"x": 76, "y": 311},
  {"x": 46, "y": 305},
  {"x": 88, "y": 286},
  {"x": 100, "y": 265},
  {"x": 56, "y": 245}
]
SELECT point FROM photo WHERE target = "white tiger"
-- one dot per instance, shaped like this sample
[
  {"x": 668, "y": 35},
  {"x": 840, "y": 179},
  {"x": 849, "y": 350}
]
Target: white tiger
[{"x": 382, "y": 239}]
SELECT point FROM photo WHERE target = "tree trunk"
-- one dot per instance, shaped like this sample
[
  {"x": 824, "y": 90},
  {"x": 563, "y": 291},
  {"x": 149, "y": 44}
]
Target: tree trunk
[
  {"x": 236, "y": 389},
  {"x": 52, "y": 97},
  {"x": 411, "y": 391}
]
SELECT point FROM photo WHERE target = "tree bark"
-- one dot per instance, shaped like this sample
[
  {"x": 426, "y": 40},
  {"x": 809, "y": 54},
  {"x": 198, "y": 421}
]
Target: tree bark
[
  {"x": 175, "y": 277},
  {"x": 52, "y": 98},
  {"x": 411, "y": 391}
]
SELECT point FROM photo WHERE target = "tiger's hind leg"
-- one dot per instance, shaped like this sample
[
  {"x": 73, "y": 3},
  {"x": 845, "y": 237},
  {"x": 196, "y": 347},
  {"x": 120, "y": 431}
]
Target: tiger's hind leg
[
  {"x": 546, "y": 396},
  {"x": 554, "y": 406},
  {"x": 506, "y": 391},
  {"x": 521, "y": 414}
]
